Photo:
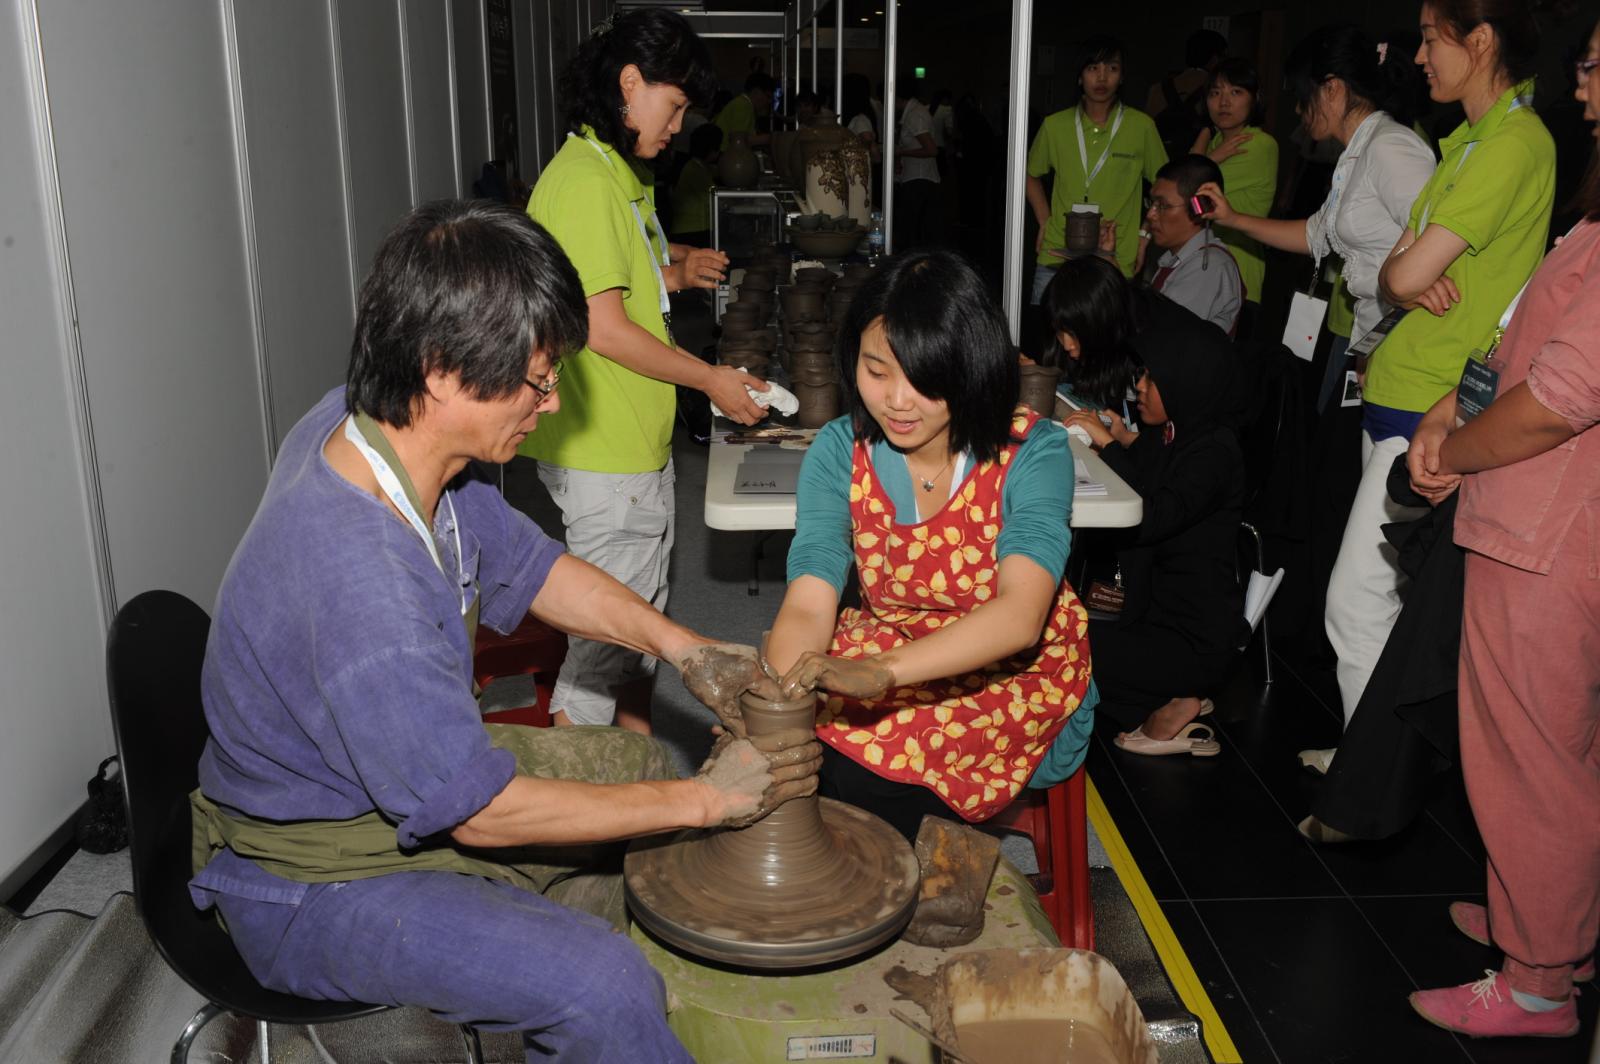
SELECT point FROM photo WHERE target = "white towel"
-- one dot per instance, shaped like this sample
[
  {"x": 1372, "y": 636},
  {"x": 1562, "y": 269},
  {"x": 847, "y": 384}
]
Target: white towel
[{"x": 773, "y": 396}]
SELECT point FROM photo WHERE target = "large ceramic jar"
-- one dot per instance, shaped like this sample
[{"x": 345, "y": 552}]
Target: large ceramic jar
[{"x": 738, "y": 167}]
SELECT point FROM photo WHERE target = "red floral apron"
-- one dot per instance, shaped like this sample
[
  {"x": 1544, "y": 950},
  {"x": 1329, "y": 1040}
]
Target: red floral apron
[{"x": 974, "y": 739}]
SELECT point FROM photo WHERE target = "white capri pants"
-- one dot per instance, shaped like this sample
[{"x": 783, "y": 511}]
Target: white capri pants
[
  {"x": 1364, "y": 589},
  {"x": 621, "y": 523}
]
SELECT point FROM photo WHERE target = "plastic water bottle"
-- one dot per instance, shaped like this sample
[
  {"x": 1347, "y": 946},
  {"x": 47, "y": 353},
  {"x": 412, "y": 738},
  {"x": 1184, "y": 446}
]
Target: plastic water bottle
[{"x": 875, "y": 239}]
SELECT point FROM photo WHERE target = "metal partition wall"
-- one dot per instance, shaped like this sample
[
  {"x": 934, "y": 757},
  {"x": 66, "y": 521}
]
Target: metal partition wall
[
  {"x": 838, "y": 60},
  {"x": 891, "y": 118},
  {"x": 1017, "y": 162}
]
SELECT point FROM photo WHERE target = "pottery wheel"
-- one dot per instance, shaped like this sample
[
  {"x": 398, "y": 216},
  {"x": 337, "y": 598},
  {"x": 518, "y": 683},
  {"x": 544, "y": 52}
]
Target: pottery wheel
[
  {"x": 815, "y": 882},
  {"x": 723, "y": 895}
]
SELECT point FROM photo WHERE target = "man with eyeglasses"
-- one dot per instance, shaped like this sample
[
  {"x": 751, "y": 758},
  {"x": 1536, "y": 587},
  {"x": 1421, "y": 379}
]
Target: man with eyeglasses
[
  {"x": 363, "y": 834},
  {"x": 1196, "y": 270}
]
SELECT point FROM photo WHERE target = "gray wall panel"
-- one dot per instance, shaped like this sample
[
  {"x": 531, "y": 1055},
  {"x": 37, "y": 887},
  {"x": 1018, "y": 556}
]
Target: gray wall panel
[
  {"x": 428, "y": 49},
  {"x": 53, "y": 698},
  {"x": 472, "y": 91},
  {"x": 292, "y": 137},
  {"x": 375, "y": 110},
  {"x": 140, "y": 104}
]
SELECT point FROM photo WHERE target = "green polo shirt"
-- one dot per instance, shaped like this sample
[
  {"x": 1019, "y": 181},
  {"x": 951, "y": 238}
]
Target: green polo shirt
[
  {"x": 739, "y": 116},
  {"x": 612, "y": 420},
  {"x": 1136, "y": 155},
  {"x": 1250, "y": 180},
  {"x": 691, "y": 198},
  {"x": 1494, "y": 189}
]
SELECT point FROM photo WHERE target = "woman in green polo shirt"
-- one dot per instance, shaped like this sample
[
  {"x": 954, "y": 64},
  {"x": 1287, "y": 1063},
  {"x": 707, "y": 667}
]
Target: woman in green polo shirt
[
  {"x": 1475, "y": 235},
  {"x": 1101, "y": 152},
  {"x": 1248, "y": 156},
  {"x": 605, "y": 456}
]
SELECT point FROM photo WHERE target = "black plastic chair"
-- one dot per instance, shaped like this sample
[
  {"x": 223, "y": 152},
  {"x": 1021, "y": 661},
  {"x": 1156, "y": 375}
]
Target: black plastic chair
[{"x": 153, "y": 658}]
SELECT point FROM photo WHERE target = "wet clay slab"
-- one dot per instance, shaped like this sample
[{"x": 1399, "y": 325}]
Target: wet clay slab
[{"x": 815, "y": 882}]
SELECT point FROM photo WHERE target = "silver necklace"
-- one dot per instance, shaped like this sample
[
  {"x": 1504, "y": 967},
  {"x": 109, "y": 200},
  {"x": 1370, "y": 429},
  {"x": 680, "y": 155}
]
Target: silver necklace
[{"x": 927, "y": 485}]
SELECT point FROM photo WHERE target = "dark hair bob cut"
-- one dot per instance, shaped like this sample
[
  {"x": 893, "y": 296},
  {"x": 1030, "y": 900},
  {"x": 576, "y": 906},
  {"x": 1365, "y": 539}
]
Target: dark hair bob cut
[
  {"x": 466, "y": 287},
  {"x": 1385, "y": 78},
  {"x": 1101, "y": 48},
  {"x": 1089, "y": 298},
  {"x": 951, "y": 341},
  {"x": 1241, "y": 74},
  {"x": 664, "y": 48}
]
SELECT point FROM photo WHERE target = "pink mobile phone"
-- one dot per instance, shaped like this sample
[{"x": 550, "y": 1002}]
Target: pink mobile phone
[{"x": 1201, "y": 204}]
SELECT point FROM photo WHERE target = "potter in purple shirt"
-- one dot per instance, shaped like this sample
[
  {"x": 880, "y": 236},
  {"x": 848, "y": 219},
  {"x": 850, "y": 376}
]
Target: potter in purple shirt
[{"x": 337, "y": 679}]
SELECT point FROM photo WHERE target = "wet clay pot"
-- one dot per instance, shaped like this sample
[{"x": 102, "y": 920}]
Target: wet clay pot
[
  {"x": 759, "y": 279},
  {"x": 747, "y": 359},
  {"x": 1038, "y": 391},
  {"x": 755, "y": 297},
  {"x": 815, "y": 275},
  {"x": 1083, "y": 232},
  {"x": 856, "y": 273},
  {"x": 738, "y": 167},
  {"x": 811, "y": 336},
  {"x": 803, "y": 302},
  {"x": 819, "y": 398},
  {"x": 816, "y": 881},
  {"x": 817, "y": 367},
  {"x": 756, "y": 339}
]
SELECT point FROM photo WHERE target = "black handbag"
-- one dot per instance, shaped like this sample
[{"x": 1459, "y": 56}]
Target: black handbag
[{"x": 102, "y": 826}]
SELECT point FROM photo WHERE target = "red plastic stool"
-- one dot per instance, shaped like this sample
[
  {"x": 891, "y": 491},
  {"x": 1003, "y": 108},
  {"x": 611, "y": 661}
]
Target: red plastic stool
[
  {"x": 533, "y": 649},
  {"x": 1057, "y": 821}
]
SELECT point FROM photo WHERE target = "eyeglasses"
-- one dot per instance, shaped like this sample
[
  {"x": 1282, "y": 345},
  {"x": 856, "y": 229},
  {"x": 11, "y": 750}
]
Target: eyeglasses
[
  {"x": 1584, "y": 67},
  {"x": 1161, "y": 206},
  {"x": 547, "y": 389}
]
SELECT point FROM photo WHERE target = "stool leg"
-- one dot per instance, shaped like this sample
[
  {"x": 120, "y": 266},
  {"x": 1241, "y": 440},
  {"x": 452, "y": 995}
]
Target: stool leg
[
  {"x": 469, "y": 1035},
  {"x": 180, "y": 1049},
  {"x": 264, "y": 1039}
]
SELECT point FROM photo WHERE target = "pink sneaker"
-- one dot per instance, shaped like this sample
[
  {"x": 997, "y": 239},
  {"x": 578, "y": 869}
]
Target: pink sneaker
[
  {"x": 1472, "y": 920},
  {"x": 1485, "y": 1010}
]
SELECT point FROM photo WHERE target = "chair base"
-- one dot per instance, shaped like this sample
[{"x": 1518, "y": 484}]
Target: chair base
[{"x": 211, "y": 1010}]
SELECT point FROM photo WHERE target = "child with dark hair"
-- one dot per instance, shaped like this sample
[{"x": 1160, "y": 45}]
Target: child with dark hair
[
  {"x": 1248, "y": 156},
  {"x": 1183, "y": 614},
  {"x": 1196, "y": 269},
  {"x": 964, "y": 674}
]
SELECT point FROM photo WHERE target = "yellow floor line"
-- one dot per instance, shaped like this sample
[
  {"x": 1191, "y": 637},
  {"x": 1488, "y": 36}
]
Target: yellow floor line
[{"x": 1191, "y": 991}]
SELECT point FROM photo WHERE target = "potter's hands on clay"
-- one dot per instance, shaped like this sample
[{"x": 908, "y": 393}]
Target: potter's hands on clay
[
  {"x": 718, "y": 673},
  {"x": 863, "y": 678},
  {"x": 751, "y": 777},
  {"x": 699, "y": 268}
]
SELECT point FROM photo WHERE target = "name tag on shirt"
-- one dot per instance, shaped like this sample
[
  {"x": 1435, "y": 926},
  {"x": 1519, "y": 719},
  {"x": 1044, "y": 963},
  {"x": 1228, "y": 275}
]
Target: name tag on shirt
[
  {"x": 1369, "y": 343},
  {"x": 1305, "y": 322},
  {"x": 1480, "y": 380}
]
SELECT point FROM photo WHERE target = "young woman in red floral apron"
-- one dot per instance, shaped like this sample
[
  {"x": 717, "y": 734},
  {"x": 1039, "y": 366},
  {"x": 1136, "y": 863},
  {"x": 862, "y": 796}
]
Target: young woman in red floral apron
[{"x": 964, "y": 674}]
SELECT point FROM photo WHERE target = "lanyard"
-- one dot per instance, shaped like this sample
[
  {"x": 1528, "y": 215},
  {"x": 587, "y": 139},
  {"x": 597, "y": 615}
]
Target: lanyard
[
  {"x": 395, "y": 489},
  {"x": 1517, "y": 102},
  {"x": 1083, "y": 148},
  {"x": 649, "y": 249}
]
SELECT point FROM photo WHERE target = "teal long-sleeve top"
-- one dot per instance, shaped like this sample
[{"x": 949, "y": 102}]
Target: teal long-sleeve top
[{"x": 1035, "y": 516}]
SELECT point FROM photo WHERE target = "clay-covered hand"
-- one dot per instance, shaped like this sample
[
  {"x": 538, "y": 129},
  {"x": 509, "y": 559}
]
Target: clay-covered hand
[
  {"x": 863, "y": 678},
  {"x": 718, "y": 673},
  {"x": 752, "y": 777}
]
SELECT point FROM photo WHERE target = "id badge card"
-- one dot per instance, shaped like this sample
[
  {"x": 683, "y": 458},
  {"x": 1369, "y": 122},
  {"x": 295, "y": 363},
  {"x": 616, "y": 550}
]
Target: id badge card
[
  {"x": 1086, "y": 208},
  {"x": 1480, "y": 380},
  {"x": 1305, "y": 323},
  {"x": 1369, "y": 343}
]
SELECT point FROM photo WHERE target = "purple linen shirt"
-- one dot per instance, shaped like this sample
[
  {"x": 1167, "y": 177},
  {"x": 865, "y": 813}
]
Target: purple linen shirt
[{"x": 338, "y": 678}]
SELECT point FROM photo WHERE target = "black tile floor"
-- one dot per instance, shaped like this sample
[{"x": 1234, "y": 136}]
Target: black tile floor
[{"x": 1307, "y": 952}]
